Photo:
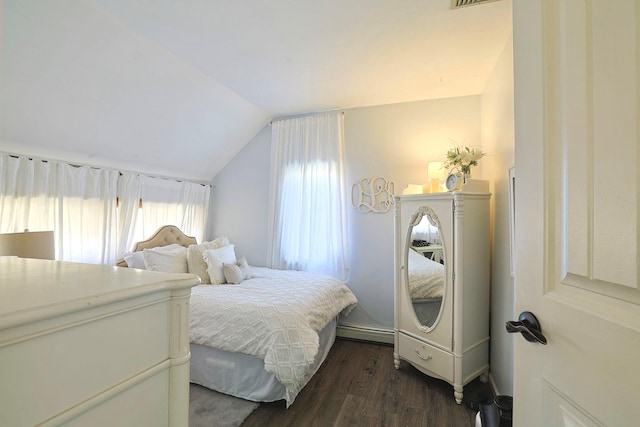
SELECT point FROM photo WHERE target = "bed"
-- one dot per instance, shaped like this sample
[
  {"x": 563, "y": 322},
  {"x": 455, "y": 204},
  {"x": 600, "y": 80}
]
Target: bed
[
  {"x": 426, "y": 286},
  {"x": 260, "y": 337}
]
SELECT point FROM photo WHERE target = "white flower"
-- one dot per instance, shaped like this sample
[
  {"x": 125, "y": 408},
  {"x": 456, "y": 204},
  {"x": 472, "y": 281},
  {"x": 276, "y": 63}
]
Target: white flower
[{"x": 463, "y": 158}]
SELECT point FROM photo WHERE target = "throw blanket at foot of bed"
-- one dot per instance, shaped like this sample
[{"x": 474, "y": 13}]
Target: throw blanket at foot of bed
[{"x": 276, "y": 315}]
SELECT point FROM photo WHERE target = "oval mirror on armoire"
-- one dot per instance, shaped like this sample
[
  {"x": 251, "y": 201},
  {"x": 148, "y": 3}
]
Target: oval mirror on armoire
[{"x": 425, "y": 266}]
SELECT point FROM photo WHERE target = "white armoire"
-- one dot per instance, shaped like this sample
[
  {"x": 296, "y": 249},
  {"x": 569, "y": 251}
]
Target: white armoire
[{"x": 442, "y": 260}]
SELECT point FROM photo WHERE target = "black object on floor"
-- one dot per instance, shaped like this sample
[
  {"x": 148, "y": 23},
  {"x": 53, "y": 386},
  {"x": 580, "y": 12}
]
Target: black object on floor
[
  {"x": 498, "y": 413},
  {"x": 477, "y": 393}
]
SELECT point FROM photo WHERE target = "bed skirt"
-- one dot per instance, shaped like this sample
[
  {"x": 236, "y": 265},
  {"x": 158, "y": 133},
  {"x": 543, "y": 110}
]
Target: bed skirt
[{"x": 243, "y": 375}]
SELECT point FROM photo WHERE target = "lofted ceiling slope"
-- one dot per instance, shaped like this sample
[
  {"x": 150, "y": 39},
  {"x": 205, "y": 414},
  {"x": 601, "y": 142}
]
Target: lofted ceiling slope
[{"x": 177, "y": 88}]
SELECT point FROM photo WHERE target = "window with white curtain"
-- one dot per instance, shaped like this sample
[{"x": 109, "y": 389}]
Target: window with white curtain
[
  {"x": 85, "y": 225},
  {"x": 307, "y": 225},
  {"x": 76, "y": 202},
  {"x": 147, "y": 203},
  {"x": 96, "y": 214},
  {"x": 27, "y": 198},
  {"x": 166, "y": 201}
]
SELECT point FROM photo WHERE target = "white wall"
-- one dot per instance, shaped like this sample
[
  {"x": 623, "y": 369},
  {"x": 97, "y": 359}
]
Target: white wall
[
  {"x": 397, "y": 142},
  {"x": 393, "y": 141},
  {"x": 79, "y": 86},
  {"x": 239, "y": 200},
  {"x": 499, "y": 140}
]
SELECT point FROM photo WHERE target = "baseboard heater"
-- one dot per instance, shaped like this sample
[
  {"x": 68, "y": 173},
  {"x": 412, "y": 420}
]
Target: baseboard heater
[{"x": 384, "y": 336}]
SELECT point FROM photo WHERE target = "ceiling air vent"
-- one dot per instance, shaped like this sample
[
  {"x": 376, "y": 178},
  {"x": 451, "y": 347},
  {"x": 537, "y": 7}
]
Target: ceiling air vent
[{"x": 457, "y": 4}]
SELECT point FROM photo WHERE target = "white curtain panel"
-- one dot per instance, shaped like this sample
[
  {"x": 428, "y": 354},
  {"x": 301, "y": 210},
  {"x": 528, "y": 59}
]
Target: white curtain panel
[
  {"x": 129, "y": 194},
  {"x": 86, "y": 219},
  {"x": 179, "y": 203},
  {"x": 27, "y": 194},
  {"x": 307, "y": 222},
  {"x": 77, "y": 203}
]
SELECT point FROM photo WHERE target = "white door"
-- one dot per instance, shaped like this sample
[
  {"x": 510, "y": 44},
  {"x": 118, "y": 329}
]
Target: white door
[{"x": 577, "y": 105}]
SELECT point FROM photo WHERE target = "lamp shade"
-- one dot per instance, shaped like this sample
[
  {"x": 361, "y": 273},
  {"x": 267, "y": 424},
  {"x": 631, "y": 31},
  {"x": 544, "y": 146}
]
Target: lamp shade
[
  {"x": 30, "y": 244},
  {"x": 436, "y": 170}
]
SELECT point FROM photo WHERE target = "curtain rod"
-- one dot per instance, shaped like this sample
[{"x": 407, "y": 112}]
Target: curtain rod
[
  {"x": 308, "y": 114},
  {"x": 120, "y": 172}
]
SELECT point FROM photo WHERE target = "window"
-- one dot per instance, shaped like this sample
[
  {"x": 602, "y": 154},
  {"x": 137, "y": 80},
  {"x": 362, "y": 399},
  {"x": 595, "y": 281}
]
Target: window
[
  {"x": 308, "y": 229},
  {"x": 93, "y": 212}
]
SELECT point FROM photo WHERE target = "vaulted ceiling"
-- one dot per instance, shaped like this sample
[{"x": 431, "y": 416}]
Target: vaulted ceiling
[{"x": 177, "y": 88}]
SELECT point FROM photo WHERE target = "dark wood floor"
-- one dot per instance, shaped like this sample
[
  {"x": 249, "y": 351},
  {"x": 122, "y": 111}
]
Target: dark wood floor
[{"x": 358, "y": 385}]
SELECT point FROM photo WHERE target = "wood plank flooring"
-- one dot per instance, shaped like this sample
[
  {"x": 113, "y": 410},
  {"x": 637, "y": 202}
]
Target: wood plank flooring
[{"x": 358, "y": 385}]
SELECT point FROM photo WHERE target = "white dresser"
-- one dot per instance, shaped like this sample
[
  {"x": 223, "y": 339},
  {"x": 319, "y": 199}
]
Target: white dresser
[
  {"x": 93, "y": 345},
  {"x": 442, "y": 308}
]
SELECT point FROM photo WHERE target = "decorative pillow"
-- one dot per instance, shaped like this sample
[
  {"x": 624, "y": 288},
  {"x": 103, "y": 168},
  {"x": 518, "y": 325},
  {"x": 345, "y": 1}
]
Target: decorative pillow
[
  {"x": 196, "y": 261},
  {"x": 244, "y": 266},
  {"x": 174, "y": 261},
  {"x": 233, "y": 274},
  {"x": 215, "y": 259},
  {"x": 236, "y": 273},
  {"x": 136, "y": 259}
]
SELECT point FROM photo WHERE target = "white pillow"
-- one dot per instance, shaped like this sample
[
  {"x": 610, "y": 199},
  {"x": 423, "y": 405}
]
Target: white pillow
[
  {"x": 233, "y": 274},
  {"x": 174, "y": 261},
  {"x": 244, "y": 266},
  {"x": 215, "y": 259},
  {"x": 237, "y": 273},
  {"x": 195, "y": 260},
  {"x": 136, "y": 259}
]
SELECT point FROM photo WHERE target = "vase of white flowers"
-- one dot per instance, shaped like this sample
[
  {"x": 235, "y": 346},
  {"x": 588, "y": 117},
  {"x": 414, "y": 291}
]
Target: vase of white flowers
[{"x": 463, "y": 158}]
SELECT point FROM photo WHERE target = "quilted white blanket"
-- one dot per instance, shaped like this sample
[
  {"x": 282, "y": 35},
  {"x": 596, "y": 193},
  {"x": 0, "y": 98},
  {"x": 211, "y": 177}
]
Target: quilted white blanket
[
  {"x": 426, "y": 277},
  {"x": 275, "y": 316}
]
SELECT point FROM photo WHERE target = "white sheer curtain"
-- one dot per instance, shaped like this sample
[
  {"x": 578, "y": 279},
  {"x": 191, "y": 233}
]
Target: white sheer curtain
[
  {"x": 307, "y": 224},
  {"x": 27, "y": 194},
  {"x": 77, "y": 203},
  {"x": 179, "y": 203},
  {"x": 129, "y": 193},
  {"x": 86, "y": 221},
  {"x": 96, "y": 214}
]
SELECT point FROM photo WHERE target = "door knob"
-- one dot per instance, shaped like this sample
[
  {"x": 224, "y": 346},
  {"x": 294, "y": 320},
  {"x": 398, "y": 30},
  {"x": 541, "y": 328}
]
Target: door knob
[{"x": 528, "y": 326}]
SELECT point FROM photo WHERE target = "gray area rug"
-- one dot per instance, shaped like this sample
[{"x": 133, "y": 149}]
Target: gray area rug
[{"x": 208, "y": 408}]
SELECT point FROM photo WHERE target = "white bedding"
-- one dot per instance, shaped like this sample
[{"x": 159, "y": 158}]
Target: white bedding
[
  {"x": 242, "y": 375},
  {"x": 275, "y": 316},
  {"x": 426, "y": 277}
]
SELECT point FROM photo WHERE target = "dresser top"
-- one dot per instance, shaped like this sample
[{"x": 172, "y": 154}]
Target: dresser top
[{"x": 32, "y": 288}]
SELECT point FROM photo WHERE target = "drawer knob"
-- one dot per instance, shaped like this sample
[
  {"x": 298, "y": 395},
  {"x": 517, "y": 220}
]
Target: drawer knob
[{"x": 423, "y": 357}]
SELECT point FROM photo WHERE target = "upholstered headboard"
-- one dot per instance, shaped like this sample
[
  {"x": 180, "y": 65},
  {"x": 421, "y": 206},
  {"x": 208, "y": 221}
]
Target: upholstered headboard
[{"x": 165, "y": 235}]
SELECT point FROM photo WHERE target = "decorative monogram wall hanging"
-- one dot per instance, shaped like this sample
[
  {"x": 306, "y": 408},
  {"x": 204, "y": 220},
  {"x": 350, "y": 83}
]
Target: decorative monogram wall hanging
[{"x": 373, "y": 195}]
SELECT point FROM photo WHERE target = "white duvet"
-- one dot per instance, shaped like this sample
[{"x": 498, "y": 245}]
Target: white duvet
[
  {"x": 426, "y": 277},
  {"x": 275, "y": 316}
]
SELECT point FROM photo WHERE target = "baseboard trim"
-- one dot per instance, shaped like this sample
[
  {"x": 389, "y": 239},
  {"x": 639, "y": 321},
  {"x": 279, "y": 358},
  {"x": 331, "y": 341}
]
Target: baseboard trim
[
  {"x": 493, "y": 385},
  {"x": 383, "y": 336}
]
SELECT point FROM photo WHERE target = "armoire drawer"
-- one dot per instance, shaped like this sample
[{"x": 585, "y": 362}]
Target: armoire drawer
[{"x": 421, "y": 354}]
